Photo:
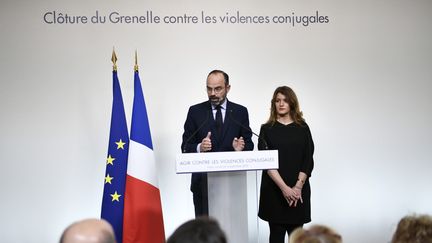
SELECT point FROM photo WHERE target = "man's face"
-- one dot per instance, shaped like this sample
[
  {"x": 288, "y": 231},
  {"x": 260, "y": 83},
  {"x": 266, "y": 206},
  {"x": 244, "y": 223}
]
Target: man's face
[{"x": 216, "y": 88}]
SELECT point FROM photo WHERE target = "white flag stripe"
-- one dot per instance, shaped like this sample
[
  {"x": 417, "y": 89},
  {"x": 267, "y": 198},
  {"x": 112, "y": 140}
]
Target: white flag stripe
[{"x": 141, "y": 163}]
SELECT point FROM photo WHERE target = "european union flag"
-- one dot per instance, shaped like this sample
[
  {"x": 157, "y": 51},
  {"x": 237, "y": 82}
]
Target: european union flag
[{"x": 116, "y": 164}]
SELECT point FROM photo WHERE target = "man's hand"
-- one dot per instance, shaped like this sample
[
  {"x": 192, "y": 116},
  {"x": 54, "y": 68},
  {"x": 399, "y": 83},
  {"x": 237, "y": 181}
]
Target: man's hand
[
  {"x": 206, "y": 144},
  {"x": 238, "y": 144}
]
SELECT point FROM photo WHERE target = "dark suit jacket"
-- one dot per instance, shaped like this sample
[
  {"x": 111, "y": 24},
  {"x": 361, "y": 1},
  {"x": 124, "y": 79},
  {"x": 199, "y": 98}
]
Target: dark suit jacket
[{"x": 201, "y": 115}]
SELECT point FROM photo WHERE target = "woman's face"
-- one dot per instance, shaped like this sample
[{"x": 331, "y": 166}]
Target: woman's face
[{"x": 282, "y": 106}]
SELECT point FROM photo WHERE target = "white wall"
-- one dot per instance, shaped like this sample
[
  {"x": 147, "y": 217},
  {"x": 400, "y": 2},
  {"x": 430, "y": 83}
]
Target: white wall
[{"x": 363, "y": 81}]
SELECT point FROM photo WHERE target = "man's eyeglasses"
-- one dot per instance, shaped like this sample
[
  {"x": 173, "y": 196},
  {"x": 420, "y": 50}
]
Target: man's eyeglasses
[{"x": 216, "y": 90}]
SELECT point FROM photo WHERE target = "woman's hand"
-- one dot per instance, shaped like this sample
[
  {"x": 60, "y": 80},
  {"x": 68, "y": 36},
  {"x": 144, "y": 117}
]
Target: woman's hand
[
  {"x": 297, "y": 191},
  {"x": 292, "y": 196}
]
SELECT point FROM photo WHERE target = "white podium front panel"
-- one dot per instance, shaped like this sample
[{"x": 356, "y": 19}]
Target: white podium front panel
[{"x": 227, "y": 201}]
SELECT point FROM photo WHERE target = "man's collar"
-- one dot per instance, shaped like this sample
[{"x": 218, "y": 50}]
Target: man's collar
[{"x": 223, "y": 105}]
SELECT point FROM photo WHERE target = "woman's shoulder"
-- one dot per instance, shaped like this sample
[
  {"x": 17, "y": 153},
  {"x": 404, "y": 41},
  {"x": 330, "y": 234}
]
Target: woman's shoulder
[
  {"x": 304, "y": 127},
  {"x": 267, "y": 125},
  {"x": 304, "y": 124}
]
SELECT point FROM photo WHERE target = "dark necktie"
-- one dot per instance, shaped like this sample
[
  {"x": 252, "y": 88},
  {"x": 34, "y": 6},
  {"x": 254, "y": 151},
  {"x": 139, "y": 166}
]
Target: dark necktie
[{"x": 218, "y": 119}]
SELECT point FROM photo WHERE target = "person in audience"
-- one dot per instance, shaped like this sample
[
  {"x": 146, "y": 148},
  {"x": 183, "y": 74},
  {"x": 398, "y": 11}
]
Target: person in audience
[
  {"x": 198, "y": 230},
  {"x": 414, "y": 229},
  {"x": 89, "y": 231},
  {"x": 315, "y": 234},
  {"x": 285, "y": 192}
]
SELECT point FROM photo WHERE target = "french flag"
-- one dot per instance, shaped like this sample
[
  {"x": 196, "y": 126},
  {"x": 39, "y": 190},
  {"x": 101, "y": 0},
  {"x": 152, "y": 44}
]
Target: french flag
[{"x": 143, "y": 219}]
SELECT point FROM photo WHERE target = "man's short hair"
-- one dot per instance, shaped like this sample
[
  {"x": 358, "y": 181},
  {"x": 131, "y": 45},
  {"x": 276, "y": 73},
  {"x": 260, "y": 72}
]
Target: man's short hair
[{"x": 225, "y": 75}]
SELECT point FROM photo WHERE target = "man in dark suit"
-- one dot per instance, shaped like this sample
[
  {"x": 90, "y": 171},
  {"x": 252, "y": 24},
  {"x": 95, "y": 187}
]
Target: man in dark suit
[{"x": 213, "y": 126}]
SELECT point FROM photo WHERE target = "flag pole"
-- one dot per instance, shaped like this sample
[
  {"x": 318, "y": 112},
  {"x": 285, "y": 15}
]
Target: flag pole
[
  {"x": 136, "y": 62},
  {"x": 114, "y": 60}
]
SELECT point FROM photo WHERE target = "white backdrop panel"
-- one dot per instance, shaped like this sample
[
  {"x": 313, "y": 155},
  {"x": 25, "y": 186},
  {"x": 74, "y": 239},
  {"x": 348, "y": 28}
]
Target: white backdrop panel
[{"x": 363, "y": 80}]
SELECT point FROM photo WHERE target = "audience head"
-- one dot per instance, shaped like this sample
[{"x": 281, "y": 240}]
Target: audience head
[
  {"x": 315, "y": 234},
  {"x": 89, "y": 231},
  {"x": 199, "y": 230},
  {"x": 414, "y": 229}
]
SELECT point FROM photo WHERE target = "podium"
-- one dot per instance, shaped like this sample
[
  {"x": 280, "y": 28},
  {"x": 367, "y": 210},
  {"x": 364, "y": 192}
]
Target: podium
[{"x": 228, "y": 198}]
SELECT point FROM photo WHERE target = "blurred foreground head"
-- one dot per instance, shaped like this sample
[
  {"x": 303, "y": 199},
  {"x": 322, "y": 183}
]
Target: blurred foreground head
[
  {"x": 315, "y": 234},
  {"x": 199, "y": 230},
  {"x": 414, "y": 229},
  {"x": 89, "y": 231}
]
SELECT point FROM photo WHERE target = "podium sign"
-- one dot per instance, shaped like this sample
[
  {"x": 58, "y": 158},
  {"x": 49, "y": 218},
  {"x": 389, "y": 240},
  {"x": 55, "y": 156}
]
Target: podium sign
[{"x": 227, "y": 161}]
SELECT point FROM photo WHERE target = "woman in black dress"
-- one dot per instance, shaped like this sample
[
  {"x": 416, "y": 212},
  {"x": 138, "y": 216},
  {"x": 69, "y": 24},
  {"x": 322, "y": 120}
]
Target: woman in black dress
[{"x": 285, "y": 192}]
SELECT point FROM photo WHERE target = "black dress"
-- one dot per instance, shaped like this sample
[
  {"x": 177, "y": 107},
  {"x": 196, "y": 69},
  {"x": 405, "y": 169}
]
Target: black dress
[{"x": 295, "y": 145}]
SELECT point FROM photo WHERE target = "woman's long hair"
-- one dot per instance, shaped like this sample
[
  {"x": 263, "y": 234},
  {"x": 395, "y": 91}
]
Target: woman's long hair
[{"x": 291, "y": 98}]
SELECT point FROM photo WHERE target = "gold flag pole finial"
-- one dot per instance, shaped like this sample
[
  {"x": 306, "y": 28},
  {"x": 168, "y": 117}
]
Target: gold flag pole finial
[
  {"x": 114, "y": 60},
  {"x": 136, "y": 62}
]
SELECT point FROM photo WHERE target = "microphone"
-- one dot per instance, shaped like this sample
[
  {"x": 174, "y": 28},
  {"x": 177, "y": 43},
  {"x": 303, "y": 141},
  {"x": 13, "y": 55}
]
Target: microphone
[
  {"x": 195, "y": 132},
  {"x": 247, "y": 128}
]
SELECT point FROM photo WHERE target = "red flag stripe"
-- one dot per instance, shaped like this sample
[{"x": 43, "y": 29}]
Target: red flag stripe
[{"x": 142, "y": 199}]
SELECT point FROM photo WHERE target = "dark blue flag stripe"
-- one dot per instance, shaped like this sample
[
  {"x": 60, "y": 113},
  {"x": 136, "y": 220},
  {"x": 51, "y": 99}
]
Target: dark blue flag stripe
[{"x": 140, "y": 130}]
